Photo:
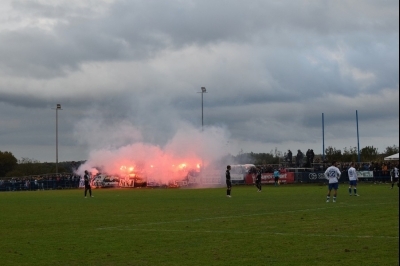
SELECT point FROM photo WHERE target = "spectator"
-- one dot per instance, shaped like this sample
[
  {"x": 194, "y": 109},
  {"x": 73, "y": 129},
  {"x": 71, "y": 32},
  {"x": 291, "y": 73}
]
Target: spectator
[
  {"x": 384, "y": 169},
  {"x": 41, "y": 184},
  {"x": 308, "y": 156},
  {"x": 299, "y": 158},
  {"x": 312, "y": 156},
  {"x": 289, "y": 157}
]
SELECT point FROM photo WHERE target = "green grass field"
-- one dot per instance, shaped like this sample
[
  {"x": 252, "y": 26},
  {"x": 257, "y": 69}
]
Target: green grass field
[{"x": 286, "y": 225}]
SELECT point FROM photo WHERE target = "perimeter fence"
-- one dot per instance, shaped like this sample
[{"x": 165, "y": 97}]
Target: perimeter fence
[
  {"x": 40, "y": 182},
  {"x": 298, "y": 176}
]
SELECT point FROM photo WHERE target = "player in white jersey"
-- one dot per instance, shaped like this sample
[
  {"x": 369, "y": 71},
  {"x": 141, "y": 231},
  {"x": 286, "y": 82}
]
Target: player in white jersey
[
  {"x": 332, "y": 174},
  {"x": 353, "y": 178},
  {"x": 394, "y": 176}
]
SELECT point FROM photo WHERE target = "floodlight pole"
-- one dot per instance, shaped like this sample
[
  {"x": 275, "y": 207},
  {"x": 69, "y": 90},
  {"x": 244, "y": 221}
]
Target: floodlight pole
[
  {"x": 323, "y": 138},
  {"x": 358, "y": 138},
  {"x": 202, "y": 115},
  {"x": 58, "y": 107},
  {"x": 203, "y": 90}
]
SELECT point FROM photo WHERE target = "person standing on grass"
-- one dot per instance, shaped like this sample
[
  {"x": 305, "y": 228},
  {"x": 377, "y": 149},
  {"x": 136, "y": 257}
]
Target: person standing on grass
[
  {"x": 332, "y": 174},
  {"x": 228, "y": 181},
  {"x": 86, "y": 179},
  {"x": 394, "y": 176},
  {"x": 276, "y": 177},
  {"x": 353, "y": 178},
  {"x": 258, "y": 179}
]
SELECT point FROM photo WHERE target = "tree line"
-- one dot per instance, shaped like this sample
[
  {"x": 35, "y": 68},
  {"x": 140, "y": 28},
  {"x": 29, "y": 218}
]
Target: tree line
[
  {"x": 367, "y": 154},
  {"x": 11, "y": 167}
]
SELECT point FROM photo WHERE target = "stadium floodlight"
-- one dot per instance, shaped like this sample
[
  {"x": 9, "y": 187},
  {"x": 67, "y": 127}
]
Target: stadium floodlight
[
  {"x": 58, "y": 107},
  {"x": 203, "y": 90}
]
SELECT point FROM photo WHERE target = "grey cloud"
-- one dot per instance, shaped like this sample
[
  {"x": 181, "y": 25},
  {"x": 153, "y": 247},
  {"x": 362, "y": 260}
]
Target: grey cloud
[
  {"x": 270, "y": 67},
  {"x": 141, "y": 29}
]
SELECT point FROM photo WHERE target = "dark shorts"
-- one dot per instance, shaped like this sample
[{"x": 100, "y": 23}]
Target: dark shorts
[
  {"x": 334, "y": 186},
  {"x": 393, "y": 179},
  {"x": 228, "y": 184},
  {"x": 353, "y": 183},
  {"x": 276, "y": 178}
]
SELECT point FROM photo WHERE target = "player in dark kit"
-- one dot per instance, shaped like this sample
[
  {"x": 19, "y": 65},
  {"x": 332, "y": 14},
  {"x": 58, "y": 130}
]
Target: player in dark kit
[
  {"x": 228, "y": 181},
  {"x": 394, "y": 176},
  {"x": 258, "y": 179},
  {"x": 86, "y": 179}
]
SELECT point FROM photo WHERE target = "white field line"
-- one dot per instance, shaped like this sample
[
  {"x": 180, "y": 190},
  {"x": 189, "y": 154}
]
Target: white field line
[{"x": 122, "y": 227}]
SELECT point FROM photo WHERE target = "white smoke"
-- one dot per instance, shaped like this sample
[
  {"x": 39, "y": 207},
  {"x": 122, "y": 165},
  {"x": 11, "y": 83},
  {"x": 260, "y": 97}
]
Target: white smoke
[{"x": 119, "y": 146}]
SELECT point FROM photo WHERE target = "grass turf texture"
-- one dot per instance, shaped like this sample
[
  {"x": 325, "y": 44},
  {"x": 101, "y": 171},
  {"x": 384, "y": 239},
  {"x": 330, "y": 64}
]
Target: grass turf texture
[{"x": 286, "y": 225}]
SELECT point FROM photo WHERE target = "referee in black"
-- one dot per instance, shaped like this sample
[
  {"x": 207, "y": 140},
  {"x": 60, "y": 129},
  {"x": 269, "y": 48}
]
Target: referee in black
[
  {"x": 228, "y": 181},
  {"x": 86, "y": 179},
  {"x": 258, "y": 179}
]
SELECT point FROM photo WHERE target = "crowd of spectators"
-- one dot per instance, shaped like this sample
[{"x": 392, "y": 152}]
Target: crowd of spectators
[
  {"x": 299, "y": 159},
  {"x": 270, "y": 168},
  {"x": 378, "y": 168},
  {"x": 40, "y": 182},
  {"x": 317, "y": 164}
]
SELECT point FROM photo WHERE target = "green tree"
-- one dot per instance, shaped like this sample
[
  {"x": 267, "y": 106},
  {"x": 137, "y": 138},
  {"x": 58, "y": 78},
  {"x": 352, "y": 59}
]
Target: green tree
[
  {"x": 7, "y": 162},
  {"x": 61, "y": 169},
  {"x": 391, "y": 150},
  {"x": 350, "y": 155},
  {"x": 262, "y": 158},
  {"x": 15, "y": 173},
  {"x": 243, "y": 158},
  {"x": 369, "y": 153},
  {"x": 278, "y": 155},
  {"x": 332, "y": 154},
  {"x": 28, "y": 166}
]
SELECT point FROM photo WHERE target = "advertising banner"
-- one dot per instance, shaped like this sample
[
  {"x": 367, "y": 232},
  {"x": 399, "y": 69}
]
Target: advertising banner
[
  {"x": 211, "y": 180},
  {"x": 268, "y": 178},
  {"x": 208, "y": 177},
  {"x": 319, "y": 177},
  {"x": 365, "y": 174},
  {"x": 194, "y": 179},
  {"x": 313, "y": 177}
]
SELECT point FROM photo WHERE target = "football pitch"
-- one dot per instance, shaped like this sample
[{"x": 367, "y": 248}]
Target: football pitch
[{"x": 285, "y": 225}]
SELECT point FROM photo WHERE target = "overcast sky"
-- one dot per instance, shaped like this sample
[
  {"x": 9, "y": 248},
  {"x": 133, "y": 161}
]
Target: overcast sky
[{"x": 129, "y": 73}]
